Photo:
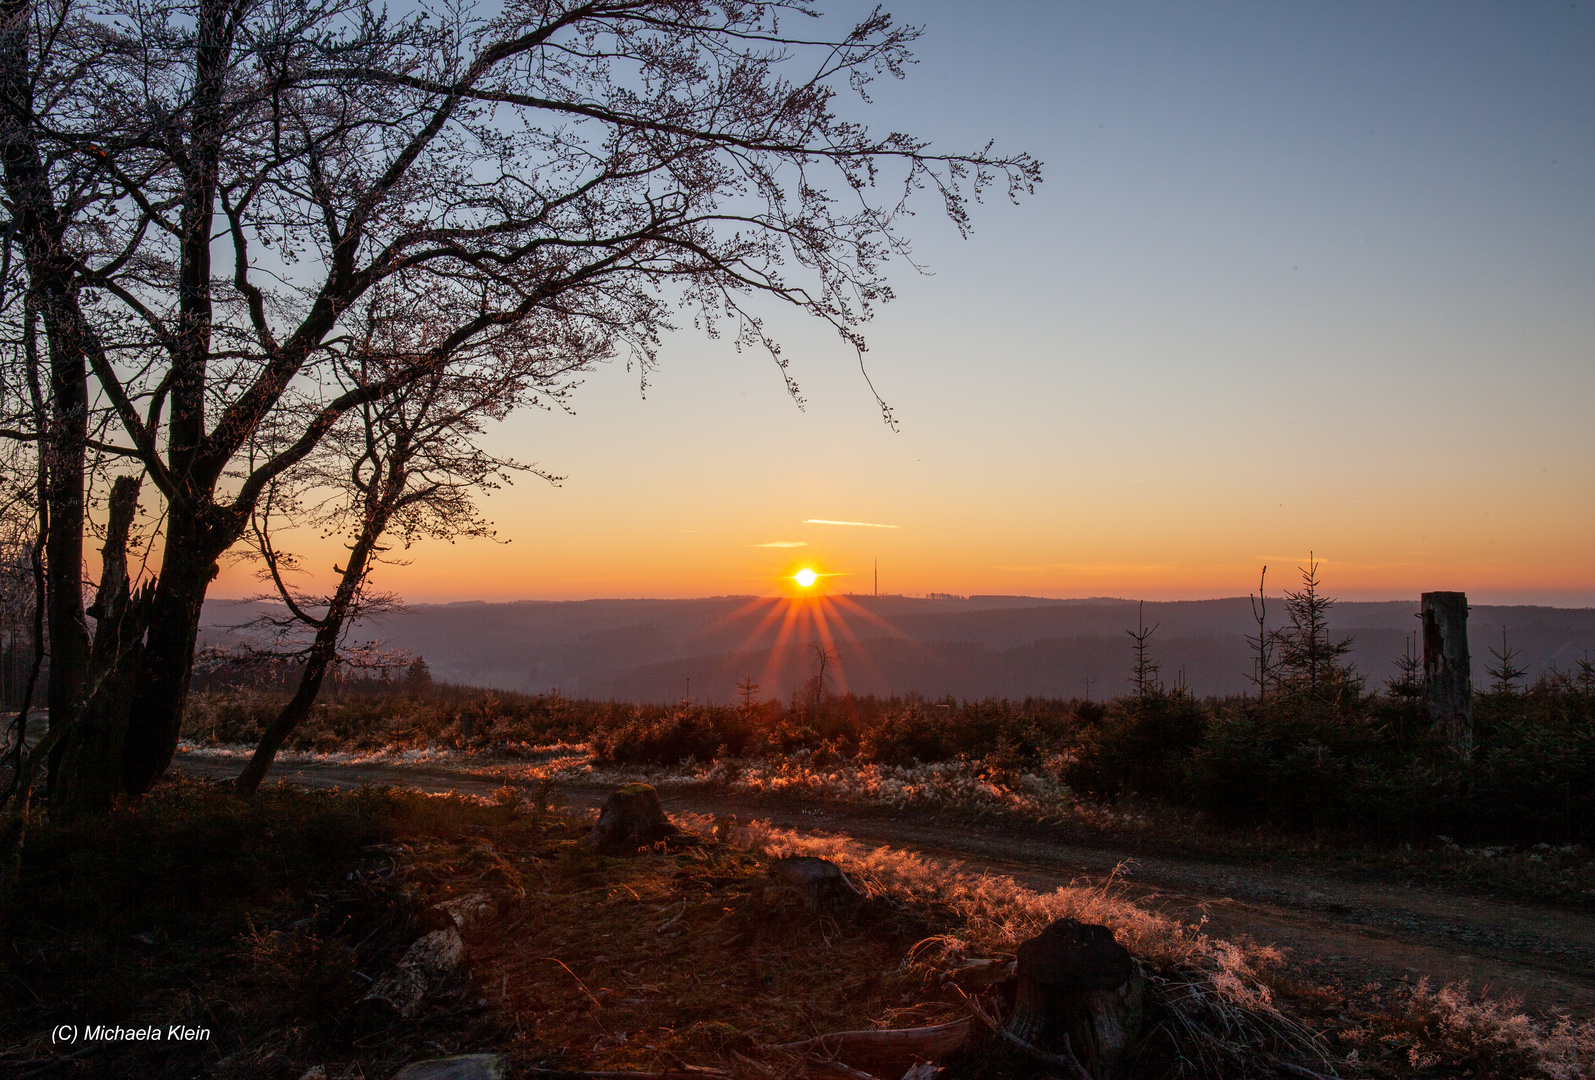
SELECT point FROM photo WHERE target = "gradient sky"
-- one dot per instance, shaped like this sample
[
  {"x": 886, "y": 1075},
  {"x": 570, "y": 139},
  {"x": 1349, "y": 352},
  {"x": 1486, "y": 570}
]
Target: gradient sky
[{"x": 1300, "y": 277}]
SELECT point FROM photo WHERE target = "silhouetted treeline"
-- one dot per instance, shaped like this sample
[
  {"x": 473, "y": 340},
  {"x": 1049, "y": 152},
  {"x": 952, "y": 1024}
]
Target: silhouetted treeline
[{"x": 1365, "y": 766}]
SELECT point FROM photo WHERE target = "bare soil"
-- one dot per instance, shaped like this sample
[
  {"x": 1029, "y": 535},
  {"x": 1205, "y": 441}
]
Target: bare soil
[{"x": 1343, "y": 931}]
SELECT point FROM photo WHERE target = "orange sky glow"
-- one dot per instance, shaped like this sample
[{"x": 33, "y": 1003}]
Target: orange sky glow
[{"x": 1298, "y": 279}]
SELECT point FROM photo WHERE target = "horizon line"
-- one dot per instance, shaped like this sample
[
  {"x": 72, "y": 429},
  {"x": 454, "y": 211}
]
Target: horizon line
[{"x": 933, "y": 598}]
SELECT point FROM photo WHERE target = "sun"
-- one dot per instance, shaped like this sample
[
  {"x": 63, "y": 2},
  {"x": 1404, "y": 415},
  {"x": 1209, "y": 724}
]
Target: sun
[{"x": 806, "y": 577}]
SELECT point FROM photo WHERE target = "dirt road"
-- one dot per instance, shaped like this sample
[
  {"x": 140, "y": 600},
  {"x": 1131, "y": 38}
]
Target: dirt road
[{"x": 1356, "y": 931}]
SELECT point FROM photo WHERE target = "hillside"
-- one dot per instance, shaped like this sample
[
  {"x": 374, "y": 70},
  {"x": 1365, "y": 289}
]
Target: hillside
[{"x": 982, "y": 646}]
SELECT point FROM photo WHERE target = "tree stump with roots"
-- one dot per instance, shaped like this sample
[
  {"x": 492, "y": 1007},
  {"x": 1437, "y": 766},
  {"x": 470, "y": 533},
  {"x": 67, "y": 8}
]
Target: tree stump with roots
[
  {"x": 631, "y": 818},
  {"x": 1079, "y": 993}
]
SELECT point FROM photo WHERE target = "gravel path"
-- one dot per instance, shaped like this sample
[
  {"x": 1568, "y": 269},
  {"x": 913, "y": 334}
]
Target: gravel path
[{"x": 1352, "y": 930}]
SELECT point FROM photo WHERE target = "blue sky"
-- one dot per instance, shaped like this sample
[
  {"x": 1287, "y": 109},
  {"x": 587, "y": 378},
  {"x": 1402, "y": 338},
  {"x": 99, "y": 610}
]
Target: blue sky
[{"x": 1299, "y": 277}]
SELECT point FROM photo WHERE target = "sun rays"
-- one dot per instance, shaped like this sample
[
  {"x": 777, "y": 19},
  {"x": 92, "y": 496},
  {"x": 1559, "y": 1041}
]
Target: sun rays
[{"x": 806, "y": 617}]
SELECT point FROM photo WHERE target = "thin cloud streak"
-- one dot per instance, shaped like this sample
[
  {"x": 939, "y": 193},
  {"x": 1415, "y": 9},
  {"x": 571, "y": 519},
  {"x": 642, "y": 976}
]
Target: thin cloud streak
[
  {"x": 783, "y": 544},
  {"x": 859, "y": 524}
]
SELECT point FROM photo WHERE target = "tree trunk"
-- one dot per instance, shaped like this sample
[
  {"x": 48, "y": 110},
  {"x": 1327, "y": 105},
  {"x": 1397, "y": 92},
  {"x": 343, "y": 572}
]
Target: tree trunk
[
  {"x": 89, "y": 774},
  {"x": 323, "y": 651},
  {"x": 160, "y": 687},
  {"x": 1447, "y": 667},
  {"x": 64, "y": 447},
  {"x": 37, "y": 228},
  {"x": 292, "y": 714}
]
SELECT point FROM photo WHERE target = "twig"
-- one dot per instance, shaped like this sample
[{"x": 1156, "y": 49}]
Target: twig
[
  {"x": 846, "y": 1070},
  {"x": 1298, "y": 1071},
  {"x": 579, "y": 983},
  {"x": 1066, "y": 1060},
  {"x": 674, "y": 919}
]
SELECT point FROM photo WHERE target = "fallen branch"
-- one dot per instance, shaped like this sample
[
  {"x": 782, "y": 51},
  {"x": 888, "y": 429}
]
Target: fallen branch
[
  {"x": 932, "y": 1042},
  {"x": 1066, "y": 1061},
  {"x": 980, "y": 974}
]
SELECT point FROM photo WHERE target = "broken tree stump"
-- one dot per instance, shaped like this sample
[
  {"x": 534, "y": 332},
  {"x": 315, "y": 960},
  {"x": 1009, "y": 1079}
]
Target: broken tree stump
[
  {"x": 1447, "y": 667},
  {"x": 428, "y": 959},
  {"x": 1079, "y": 991},
  {"x": 631, "y": 818},
  {"x": 464, "y": 913},
  {"x": 820, "y": 882}
]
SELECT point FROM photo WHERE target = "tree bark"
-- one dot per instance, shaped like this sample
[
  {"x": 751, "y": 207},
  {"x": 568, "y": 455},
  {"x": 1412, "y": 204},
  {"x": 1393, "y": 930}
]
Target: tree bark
[
  {"x": 1080, "y": 988},
  {"x": 324, "y": 650},
  {"x": 37, "y": 227},
  {"x": 322, "y": 653},
  {"x": 1447, "y": 667},
  {"x": 90, "y": 772},
  {"x": 160, "y": 686}
]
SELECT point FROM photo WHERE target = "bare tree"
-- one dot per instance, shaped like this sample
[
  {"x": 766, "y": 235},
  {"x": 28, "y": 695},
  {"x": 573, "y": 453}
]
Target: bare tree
[
  {"x": 407, "y": 469},
  {"x": 1264, "y": 642},
  {"x": 544, "y": 172},
  {"x": 821, "y": 681}
]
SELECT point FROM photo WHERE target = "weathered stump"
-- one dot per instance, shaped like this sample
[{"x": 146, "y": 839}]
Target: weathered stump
[
  {"x": 1447, "y": 667},
  {"x": 428, "y": 959},
  {"x": 631, "y": 818},
  {"x": 1080, "y": 991},
  {"x": 820, "y": 882},
  {"x": 463, "y": 913}
]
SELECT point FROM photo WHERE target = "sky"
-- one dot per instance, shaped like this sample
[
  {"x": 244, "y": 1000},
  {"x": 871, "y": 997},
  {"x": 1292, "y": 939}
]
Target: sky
[{"x": 1302, "y": 277}]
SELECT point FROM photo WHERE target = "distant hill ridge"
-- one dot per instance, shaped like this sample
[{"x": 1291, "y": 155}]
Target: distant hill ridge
[{"x": 971, "y": 647}]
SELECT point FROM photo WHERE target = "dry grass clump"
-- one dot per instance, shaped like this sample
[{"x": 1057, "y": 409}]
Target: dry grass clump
[
  {"x": 1217, "y": 1014},
  {"x": 1398, "y": 1030}
]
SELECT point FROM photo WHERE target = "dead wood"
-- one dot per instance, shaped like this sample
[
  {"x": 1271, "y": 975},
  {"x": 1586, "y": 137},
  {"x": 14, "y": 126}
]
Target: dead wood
[
  {"x": 428, "y": 959},
  {"x": 891, "y": 1044},
  {"x": 463, "y": 913},
  {"x": 1077, "y": 986},
  {"x": 980, "y": 974},
  {"x": 1065, "y": 1060},
  {"x": 631, "y": 819}
]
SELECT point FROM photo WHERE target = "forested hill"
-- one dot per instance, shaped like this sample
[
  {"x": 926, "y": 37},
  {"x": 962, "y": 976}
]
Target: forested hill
[{"x": 1000, "y": 646}]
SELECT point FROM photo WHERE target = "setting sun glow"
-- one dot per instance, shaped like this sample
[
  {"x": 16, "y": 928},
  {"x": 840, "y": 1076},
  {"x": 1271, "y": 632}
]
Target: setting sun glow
[{"x": 805, "y": 577}]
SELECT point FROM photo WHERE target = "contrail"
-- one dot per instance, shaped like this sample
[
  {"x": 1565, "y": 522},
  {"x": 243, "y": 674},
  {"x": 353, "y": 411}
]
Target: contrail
[{"x": 860, "y": 524}]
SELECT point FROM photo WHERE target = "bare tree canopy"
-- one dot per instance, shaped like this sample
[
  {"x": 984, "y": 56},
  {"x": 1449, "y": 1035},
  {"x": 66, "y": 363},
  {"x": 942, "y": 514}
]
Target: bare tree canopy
[{"x": 212, "y": 197}]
